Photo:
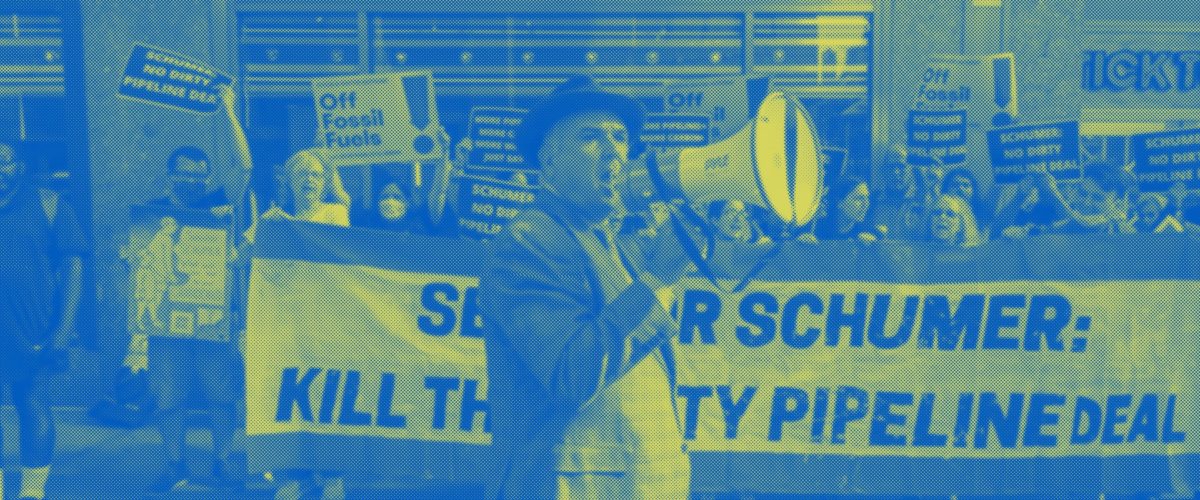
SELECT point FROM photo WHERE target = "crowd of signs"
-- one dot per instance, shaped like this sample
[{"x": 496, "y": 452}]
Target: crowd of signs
[
  {"x": 958, "y": 97},
  {"x": 964, "y": 114}
]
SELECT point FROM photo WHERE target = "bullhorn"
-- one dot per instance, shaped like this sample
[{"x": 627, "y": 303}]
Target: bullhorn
[{"x": 773, "y": 162}]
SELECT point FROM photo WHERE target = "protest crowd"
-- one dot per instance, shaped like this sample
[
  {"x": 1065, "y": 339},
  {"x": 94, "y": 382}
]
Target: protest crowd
[{"x": 233, "y": 267}]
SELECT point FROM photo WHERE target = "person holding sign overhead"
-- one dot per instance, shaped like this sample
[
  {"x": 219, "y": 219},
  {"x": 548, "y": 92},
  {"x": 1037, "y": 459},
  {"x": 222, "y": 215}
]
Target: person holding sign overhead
[
  {"x": 580, "y": 369},
  {"x": 179, "y": 364}
]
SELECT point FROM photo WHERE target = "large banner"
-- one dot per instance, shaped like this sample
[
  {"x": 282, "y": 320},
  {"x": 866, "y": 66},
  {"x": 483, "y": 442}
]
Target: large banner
[{"x": 890, "y": 369}]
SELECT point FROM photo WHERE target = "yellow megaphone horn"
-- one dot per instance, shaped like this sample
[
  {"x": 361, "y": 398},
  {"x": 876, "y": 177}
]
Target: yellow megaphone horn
[{"x": 773, "y": 162}]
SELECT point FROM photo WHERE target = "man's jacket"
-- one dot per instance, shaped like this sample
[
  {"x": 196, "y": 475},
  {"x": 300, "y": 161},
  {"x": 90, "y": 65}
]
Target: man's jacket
[{"x": 579, "y": 366}]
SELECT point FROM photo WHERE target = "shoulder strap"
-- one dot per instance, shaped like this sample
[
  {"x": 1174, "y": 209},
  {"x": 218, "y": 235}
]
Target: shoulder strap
[{"x": 49, "y": 204}]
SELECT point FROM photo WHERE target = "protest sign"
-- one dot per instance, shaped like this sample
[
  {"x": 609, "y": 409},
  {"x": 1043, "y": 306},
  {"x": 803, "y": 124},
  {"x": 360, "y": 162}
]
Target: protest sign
[
  {"x": 833, "y": 161},
  {"x": 165, "y": 78},
  {"x": 486, "y": 204},
  {"x": 1017, "y": 151},
  {"x": 1163, "y": 158},
  {"x": 668, "y": 130},
  {"x": 378, "y": 118},
  {"x": 1028, "y": 356},
  {"x": 491, "y": 131},
  {"x": 937, "y": 137},
  {"x": 986, "y": 86},
  {"x": 177, "y": 279},
  {"x": 727, "y": 102}
]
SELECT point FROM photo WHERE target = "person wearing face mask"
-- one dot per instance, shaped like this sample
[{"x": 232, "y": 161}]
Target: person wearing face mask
[
  {"x": 849, "y": 201},
  {"x": 391, "y": 211}
]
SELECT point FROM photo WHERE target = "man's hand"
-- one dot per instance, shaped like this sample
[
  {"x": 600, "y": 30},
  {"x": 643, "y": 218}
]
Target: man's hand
[
  {"x": 666, "y": 260},
  {"x": 137, "y": 354}
]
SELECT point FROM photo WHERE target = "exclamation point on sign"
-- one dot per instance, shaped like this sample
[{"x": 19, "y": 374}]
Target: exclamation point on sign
[
  {"x": 1002, "y": 82},
  {"x": 416, "y": 90}
]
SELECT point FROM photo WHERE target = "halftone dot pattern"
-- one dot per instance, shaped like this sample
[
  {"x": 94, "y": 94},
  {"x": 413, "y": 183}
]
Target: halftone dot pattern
[{"x": 1025, "y": 343}]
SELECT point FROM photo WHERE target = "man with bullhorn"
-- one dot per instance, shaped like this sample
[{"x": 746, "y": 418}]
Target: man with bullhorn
[{"x": 580, "y": 367}]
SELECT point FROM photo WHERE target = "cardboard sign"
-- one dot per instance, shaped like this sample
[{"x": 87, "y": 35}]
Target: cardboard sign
[
  {"x": 833, "y": 160},
  {"x": 486, "y": 205},
  {"x": 378, "y": 118},
  {"x": 986, "y": 86},
  {"x": 667, "y": 130},
  {"x": 727, "y": 102},
  {"x": 491, "y": 132},
  {"x": 1017, "y": 151},
  {"x": 177, "y": 277},
  {"x": 937, "y": 137},
  {"x": 165, "y": 78},
  {"x": 1163, "y": 158}
]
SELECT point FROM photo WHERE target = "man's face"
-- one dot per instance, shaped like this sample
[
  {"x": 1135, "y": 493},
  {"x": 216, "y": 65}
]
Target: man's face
[
  {"x": 581, "y": 156},
  {"x": 10, "y": 170},
  {"x": 189, "y": 187}
]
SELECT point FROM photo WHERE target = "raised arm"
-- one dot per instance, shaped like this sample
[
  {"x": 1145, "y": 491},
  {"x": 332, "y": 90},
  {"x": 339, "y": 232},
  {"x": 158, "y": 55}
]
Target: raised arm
[{"x": 237, "y": 178}]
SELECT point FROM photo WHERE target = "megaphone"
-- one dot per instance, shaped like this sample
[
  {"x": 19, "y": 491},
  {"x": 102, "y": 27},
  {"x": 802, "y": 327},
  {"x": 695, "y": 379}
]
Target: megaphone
[{"x": 773, "y": 162}]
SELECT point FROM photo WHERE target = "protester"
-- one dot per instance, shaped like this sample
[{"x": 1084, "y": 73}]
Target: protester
[
  {"x": 1031, "y": 211},
  {"x": 315, "y": 192},
  {"x": 907, "y": 192},
  {"x": 578, "y": 341},
  {"x": 40, "y": 279},
  {"x": 180, "y": 364},
  {"x": 849, "y": 202},
  {"x": 952, "y": 223},
  {"x": 1106, "y": 193},
  {"x": 391, "y": 211},
  {"x": 961, "y": 182},
  {"x": 733, "y": 222},
  {"x": 1153, "y": 216},
  {"x": 1040, "y": 205}
]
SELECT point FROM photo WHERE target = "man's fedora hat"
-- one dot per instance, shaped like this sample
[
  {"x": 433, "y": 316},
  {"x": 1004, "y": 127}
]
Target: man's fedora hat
[{"x": 578, "y": 94}]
